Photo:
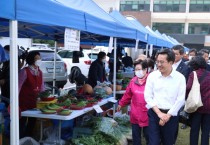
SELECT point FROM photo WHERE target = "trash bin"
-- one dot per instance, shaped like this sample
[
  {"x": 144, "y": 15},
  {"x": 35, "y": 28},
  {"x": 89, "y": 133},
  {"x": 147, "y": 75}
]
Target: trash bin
[{"x": 2, "y": 106}]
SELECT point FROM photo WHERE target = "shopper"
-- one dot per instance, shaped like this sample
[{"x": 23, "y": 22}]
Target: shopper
[
  {"x": 205, "y": 54},
  {"x": 165, "y": 95},
  {"x": 97, "y": 70},
  {"x": 30, "y": 85},
  {"x": 200, "y": 120},
  {"x": 134, "y": 95},
  {"x": 127, "y": 61}
]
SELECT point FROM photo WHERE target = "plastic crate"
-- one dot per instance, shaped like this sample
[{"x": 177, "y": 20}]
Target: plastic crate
[{"x": 81, "y": 131}]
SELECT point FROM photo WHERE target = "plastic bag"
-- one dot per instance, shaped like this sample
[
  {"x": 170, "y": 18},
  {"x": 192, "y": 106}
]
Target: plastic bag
[
  {"x": 52, "y": 134},
  {"x": 28, "y": 141}
]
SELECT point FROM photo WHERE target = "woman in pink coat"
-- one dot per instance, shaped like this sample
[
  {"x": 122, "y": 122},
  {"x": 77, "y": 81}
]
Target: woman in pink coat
[{"x": 134, "y": 96}]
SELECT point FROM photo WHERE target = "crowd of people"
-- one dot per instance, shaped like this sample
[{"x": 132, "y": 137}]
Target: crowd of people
[
  {"x": 157, "y": 96},
  {"x": 156, "y": 93}
]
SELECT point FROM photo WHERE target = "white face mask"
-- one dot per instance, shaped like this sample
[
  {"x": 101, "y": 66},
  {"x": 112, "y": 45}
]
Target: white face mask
[
  {"x": 139, "y": 73},
  {"x": 38, "y": 62}
]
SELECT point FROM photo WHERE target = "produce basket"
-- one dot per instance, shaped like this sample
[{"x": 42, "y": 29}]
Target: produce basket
[{"x": 41, "y": 104}]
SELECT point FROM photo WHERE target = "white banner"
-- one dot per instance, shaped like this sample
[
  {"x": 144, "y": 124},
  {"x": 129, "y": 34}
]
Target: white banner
[
  {"x": 72, "y": 39},
  {"x": 110, "y": 44}
]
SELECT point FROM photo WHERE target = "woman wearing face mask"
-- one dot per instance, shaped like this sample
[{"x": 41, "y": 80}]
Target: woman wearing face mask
[
  {"x": 134, "y": 95},
  {"x": 30, "y": 85}
]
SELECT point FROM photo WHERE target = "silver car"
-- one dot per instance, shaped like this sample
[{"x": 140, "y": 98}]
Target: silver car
[{"x": 47, "y": 67}]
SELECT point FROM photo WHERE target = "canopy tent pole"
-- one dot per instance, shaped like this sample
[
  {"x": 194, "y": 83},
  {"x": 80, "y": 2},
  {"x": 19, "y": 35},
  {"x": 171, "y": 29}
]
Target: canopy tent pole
[
  {"x": 54, "y": 67},
  {"x": 14, "y": 105},
  {"x": 147, "y": 47},
  {"x": 137, "y": 44},
  {"x": 115, "y": 66},
  {"x": 150, "y": 50}
]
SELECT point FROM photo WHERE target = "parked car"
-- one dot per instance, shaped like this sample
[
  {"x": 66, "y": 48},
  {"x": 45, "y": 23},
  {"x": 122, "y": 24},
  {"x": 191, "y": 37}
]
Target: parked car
[
  {"x": 47, "y": 67},
  {"x": 84, "y": 61}
]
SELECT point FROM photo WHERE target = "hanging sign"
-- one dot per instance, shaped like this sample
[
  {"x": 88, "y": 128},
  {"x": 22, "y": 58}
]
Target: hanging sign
[
  {"x": 110, "y": 44},
  {"x": 72, "y": 39}
]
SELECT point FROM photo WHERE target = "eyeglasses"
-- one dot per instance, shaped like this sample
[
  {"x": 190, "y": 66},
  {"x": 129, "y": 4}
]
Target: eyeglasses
[{"x": 160, "y": 62}]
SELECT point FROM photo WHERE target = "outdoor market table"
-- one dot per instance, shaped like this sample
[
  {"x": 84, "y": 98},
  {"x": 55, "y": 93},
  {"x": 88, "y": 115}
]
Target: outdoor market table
[
  {"x": 76, "y": 113},
  {"x": 128, "y": 74}
]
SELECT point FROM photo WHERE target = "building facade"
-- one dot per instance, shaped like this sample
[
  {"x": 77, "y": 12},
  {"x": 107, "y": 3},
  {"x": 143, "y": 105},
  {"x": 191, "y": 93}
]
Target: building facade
[{"x": 188, "y": 21}]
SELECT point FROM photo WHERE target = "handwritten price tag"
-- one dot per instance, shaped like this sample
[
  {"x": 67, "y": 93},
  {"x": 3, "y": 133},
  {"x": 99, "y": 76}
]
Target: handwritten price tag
[
  {"x": 113, "y": 100},
  {"x": 98, "y": 108}
]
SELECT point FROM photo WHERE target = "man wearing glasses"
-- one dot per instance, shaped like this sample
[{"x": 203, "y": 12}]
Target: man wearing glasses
[{"x": 165, "y": 95}]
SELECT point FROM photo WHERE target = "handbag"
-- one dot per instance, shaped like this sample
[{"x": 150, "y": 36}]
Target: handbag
[
  {"x": 184, "y": 117},
  {"x": 194, "y": 101}
]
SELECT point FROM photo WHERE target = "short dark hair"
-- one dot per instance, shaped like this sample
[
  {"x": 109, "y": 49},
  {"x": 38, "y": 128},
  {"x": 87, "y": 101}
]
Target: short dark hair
[
  {"x": 143, "y": 63},
  {"x": 193, "y": 50},
  {"x": 202, "y": 51},
  {"x": 7, "y": 47},
  {"x": 197, "y": 62},
  {"x": 150, "y": 63},
  {"x": 170, "y": 54},
  {"x": 179, "y": 47},
  {"x": 101, "y": 55},
  {"x": 30, "y": 57}
]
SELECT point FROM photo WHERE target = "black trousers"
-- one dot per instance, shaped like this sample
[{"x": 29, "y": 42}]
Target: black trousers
[
  {"x": 136, "y": 134},
  {"x": 161, "y": 134},
  {"x": 201, "y": 122},
  {"x": 26, "y": 126}
]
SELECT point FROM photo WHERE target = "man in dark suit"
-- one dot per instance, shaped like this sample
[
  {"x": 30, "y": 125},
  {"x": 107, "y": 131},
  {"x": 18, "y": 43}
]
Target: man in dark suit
[{"x": 180, "y": 66}]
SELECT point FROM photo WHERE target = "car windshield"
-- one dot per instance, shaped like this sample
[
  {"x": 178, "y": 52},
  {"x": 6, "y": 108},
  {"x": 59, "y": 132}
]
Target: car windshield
[
  {"x": 69, "y": 54},
  {"x": 48, "y": 56}
]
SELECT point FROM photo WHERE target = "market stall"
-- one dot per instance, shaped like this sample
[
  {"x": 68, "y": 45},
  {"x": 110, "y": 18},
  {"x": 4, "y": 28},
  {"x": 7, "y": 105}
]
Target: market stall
[{"x": 75, "y": 113}]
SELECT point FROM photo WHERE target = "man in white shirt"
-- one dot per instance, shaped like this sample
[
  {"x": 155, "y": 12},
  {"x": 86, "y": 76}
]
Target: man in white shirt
[{"x": 165, "y": 95}]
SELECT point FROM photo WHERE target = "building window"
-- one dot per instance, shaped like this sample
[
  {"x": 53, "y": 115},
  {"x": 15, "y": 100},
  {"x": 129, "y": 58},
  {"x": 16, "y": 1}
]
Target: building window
[
  {"x": 199, "y": 5},
  {"x": 195, "y": 28},
  {"x": 169, "y": 5},
  {"x": 169, "y": 28},
  {"x": 134, "y": 5}
]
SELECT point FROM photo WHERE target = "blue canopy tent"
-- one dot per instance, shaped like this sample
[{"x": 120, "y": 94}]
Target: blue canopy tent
[
  {"x": 152, "y": 38},
  {"x": 169, "y": 44},
  {"x": 46, "y": 19},
  {"x": 161, "y": 41},
  {"x": 141, "y": 34},
  {"x": 55, "y": 15}
]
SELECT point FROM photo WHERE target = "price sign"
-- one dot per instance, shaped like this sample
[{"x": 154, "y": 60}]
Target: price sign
[
  {"x": 72, "y": 39},
  {"x": 98, "y": 108},
  {"x": 113, "y": 100}
]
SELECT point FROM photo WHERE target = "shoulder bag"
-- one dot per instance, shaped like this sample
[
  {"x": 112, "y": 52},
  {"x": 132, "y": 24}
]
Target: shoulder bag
[{"x": 194, "y": 101}]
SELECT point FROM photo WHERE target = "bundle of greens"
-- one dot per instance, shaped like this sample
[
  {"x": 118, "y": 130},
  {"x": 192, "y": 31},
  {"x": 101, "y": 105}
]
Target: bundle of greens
[{"x": 95, "y": 139}]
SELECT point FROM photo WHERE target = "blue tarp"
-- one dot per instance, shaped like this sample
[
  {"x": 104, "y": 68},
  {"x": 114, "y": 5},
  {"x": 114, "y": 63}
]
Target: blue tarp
[{"x": 83, "y": 15}]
